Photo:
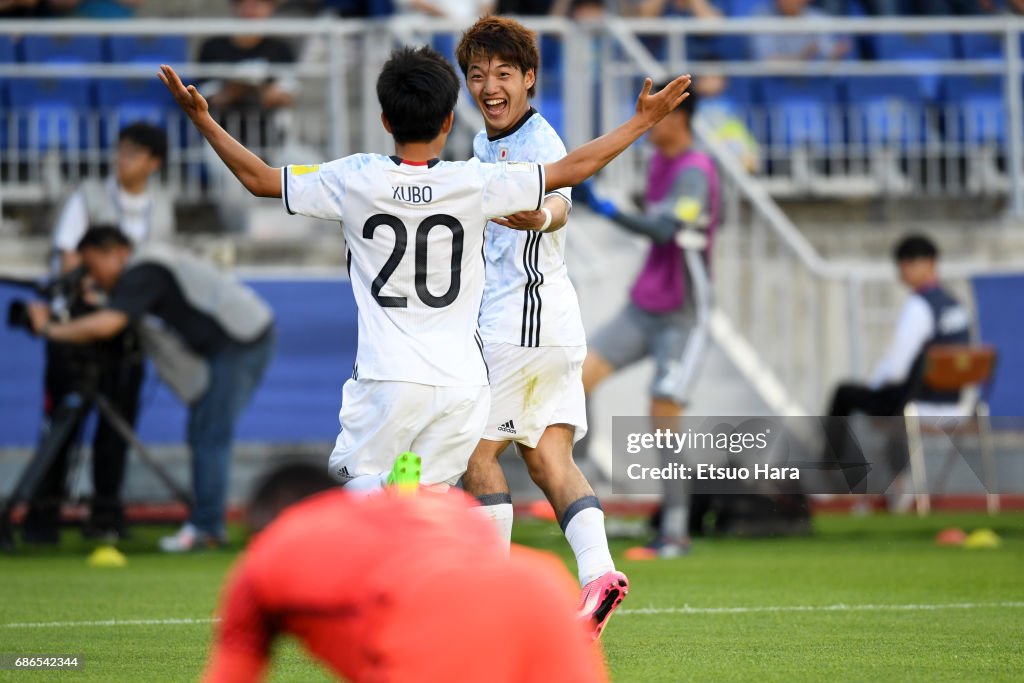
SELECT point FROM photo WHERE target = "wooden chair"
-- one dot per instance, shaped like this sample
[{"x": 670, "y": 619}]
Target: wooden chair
[{"x": 954, "y": 369}]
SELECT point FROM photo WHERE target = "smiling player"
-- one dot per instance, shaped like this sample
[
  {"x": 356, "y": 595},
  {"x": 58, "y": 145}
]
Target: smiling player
[
  {"x": 420, "y": 383},
  {"x": 533, "y": 336}
]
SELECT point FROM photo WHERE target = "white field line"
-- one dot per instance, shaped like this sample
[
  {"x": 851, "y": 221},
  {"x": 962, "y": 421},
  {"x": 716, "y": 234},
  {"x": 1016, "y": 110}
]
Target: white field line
[
  {"x": 686, "y": 609},
  {"x": 112, "y": 622}
]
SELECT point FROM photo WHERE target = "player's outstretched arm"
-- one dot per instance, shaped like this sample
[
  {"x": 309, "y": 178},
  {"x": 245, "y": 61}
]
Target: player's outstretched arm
[
  {"x": 596, "y": 154},
  {"x": 259, "y": 178}
]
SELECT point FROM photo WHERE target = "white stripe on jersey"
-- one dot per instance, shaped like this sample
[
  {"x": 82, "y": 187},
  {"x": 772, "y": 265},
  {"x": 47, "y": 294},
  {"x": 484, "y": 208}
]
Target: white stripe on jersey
[
  {"x": 528, "y": 298},
  {"x": 417, "y": 311}
]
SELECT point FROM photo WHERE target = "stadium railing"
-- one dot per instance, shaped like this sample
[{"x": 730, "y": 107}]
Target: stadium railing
[{"x": 933, "y": 106}]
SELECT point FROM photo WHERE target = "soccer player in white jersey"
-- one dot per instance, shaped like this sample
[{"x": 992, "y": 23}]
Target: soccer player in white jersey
[
  {"x": 530, "y": 323},
  {"x": 414, "y": 229}
]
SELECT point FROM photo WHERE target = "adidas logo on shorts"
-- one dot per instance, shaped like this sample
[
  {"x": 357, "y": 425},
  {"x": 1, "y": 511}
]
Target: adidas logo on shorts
[{"x": 508, "y": 428}]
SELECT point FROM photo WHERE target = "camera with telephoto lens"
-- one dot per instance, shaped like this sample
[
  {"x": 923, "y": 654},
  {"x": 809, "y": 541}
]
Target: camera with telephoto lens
[{"x": 63, "y": 293}]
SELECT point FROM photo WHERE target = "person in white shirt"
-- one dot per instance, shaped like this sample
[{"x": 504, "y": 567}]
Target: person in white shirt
[
  {"x": 420, "y": 382},
  {"x": 129, "y": 198},
  {"x": 456, "y": 10},
  {"x": 530, "y": 323},
  {"x": 930, "y": 317}
]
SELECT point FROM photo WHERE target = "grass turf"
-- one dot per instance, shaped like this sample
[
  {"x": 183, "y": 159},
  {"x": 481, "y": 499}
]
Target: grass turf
[{"x": 857, "y": 562}]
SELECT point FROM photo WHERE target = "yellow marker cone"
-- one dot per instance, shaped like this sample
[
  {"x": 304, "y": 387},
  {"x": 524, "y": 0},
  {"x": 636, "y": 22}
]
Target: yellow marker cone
[
  {"x": 107, "y": 556},
  {"x": 982, "y": 538}
]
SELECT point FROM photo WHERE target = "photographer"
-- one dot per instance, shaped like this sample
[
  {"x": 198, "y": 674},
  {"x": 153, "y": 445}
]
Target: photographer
[
  {"x": 209, "y": 336},
  {"x": 129, "y": 200}
]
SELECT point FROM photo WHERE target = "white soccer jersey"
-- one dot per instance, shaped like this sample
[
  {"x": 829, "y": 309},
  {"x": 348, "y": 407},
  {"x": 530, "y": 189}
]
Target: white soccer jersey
[
  {"x": 415, "y": 235},
  {"x": 528, "y": 298}
]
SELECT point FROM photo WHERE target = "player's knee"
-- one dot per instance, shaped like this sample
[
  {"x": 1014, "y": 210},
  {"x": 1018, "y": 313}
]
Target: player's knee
[
  {"x": 541, "y": 468},
  {"x": 596, "y": 369},
  {"x": 666, "y": 410},
  {"x": 546, "y": 468}
]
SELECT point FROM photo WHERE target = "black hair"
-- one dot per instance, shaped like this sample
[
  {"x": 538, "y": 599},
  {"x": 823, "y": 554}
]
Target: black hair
[
  {"x": 915, "y": 247},
  {"x": 146, "y": 135},
  {"x": 417, "y": 90},
  {"x": 284, "y": 486},
  {"x": 104, "y": 238},
  {"x": 687, "y": 106}
]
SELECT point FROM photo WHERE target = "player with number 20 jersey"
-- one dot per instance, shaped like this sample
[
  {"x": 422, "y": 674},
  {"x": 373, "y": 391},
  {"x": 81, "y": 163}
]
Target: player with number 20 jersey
[{"x": 415, "y": 234}]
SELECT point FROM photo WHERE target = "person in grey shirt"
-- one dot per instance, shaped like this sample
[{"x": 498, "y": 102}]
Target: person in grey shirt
[{"x": 796, "y": 46}]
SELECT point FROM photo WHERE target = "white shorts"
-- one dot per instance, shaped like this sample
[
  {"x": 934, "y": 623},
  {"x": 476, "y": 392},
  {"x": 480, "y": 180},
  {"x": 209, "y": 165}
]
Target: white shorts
[
  {"x": 380, "y": 420},
  {"x": 533, "y": 388}
]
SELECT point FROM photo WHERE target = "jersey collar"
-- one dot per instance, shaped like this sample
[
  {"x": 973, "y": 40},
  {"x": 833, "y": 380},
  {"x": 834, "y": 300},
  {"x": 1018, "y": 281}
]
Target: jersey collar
[
  {"x": 399, "y": 161},
  {"x": 519, "y": 124}
]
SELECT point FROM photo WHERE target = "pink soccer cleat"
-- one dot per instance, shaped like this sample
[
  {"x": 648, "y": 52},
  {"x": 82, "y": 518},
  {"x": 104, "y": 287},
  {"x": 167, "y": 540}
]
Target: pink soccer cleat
[{"x": 599, "y": 599}]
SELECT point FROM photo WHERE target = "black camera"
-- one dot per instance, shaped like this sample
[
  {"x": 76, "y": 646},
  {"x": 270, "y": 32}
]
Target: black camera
[{"x": 64, "y": 294}]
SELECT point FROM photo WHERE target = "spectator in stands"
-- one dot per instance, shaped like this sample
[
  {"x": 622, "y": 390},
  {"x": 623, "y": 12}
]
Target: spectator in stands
[
  {"x": 251, "y": 103},
  {"x": 465, "y": 11},
  {"x": 667, "y": 317},
  {"x": 878, "y": 8},
  {"x": 586, "y": 10},
  {"x": 930, "y": 316},
  {"x": 257, "y": 90},
  {"x": 699, "y": 9},
  {"x": 16, "y": 9},
  {"x": 983, "y": 7},
  {"x": 131, "y": 201},
  {"x": 725, "y": 121},
  {"x": 790, "y": 46},
  {"x": 534, "y": 8},
  {"x": 97, "y": 9},
  {"x": 212, "y": 346}
]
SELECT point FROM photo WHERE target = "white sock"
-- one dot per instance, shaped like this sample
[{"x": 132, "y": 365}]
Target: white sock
[
  {"x": 498, "y": 508},
  {"x": 366, "y": 483},
  {"x": 586, "y": 535}
]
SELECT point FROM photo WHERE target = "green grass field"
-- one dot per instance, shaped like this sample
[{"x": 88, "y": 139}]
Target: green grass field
[{"x": 882, "y": 603}]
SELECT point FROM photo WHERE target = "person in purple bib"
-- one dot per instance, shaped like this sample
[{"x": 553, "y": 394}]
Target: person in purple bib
[{"x": 670, "y": 302}]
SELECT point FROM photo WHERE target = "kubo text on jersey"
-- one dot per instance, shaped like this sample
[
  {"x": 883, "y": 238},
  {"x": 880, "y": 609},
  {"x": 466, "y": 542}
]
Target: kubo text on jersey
[{"x": 413, "y": 194}]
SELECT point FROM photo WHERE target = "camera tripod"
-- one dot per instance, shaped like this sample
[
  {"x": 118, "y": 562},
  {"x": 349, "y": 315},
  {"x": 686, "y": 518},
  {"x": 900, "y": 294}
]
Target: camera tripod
[{"x": 63, "y": 422}]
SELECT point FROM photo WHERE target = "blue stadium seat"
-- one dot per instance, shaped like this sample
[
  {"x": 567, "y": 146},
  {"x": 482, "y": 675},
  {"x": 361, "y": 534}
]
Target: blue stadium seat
[
  {"x": 51, "y": 111},
  {"x": 6, "y": 49},
  {"x": 799, "y": 110},
  {"x": 149, "y": 49},
  {"x": 886, "y": 109},
  {"x": 62, "y": 49},
  {"x": 6, "y": 56},
  {"x": 980, "y": 45},
  {"x": 549, "y": 104},
  {"x": 741, "y": 90},
  {"x": 743, "y": 8},
  {"x": 732, "y": 48},
  {"x": 127, "y": 100},
  {"x": 916, "y": 48},
  {"x": 978, "y": 102}
]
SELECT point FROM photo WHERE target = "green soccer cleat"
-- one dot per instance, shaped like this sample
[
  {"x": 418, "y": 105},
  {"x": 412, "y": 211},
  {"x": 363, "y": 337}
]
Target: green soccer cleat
[{"x": 405, "y": 473}]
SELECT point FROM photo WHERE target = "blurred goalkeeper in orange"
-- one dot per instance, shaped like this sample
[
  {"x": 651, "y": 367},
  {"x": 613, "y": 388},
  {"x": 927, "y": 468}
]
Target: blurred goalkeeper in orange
[{"x": 395, "y": 588}]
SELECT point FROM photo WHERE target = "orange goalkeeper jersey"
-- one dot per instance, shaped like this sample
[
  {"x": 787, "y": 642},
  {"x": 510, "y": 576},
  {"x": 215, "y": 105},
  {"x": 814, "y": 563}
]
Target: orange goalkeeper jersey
[{"x": 387, "y": 588}]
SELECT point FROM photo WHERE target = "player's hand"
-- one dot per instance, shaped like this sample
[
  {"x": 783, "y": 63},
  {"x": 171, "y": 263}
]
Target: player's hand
[
  {"x": 38, "y": 316},
  {"x": 188, "y": 98},
  {"x": 653, "y": 108},
  {"x": 524, "y": 220}
]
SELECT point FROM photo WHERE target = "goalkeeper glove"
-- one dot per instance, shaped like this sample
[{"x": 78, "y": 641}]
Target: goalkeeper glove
[{"x": 597, "y": 204}]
